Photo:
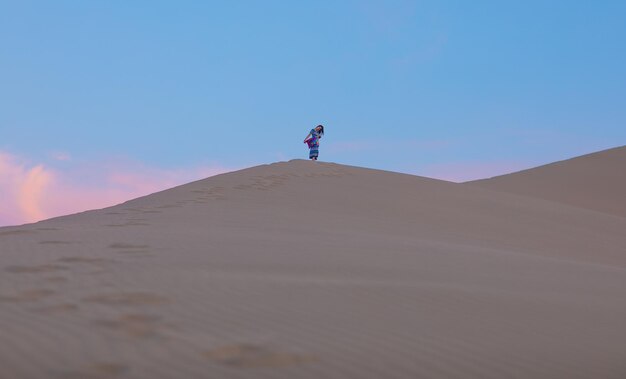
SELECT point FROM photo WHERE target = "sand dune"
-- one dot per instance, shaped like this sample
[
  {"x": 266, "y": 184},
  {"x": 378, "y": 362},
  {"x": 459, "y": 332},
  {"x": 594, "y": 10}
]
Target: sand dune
[
  {"x": 317, "y": 270},
  {"x": 595, "y": 181}
]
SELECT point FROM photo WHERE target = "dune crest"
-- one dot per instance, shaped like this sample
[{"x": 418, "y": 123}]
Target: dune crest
[
  {"x": 594, "y": 181},
  {"x": 317, "y": 270}
]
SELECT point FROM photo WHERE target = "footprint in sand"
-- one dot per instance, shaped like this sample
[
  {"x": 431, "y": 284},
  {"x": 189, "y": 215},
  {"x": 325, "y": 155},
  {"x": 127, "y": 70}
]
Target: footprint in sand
[
  {"x": 127, "y": 223},
  {"x": 135, "y": 325},
  {"x": 169, "y": 206},
  {"x": 255, "y": 356},
  {"x": 26, "y": 296},
  {"x": 57, "y": 279},
  {"x": 133, "y": 209},
  {"x": 135, "y": 253},
  {"x": 263, "y": 183},
  {"x": 54, "y": 267},
  {"x": 215, "y": 193},
  {"x": 35, "y": 269},
  {"x": 57, "y": 309},
  {"x": 87, "y": 262},
  {"x": 55, "y": 242},
  {"x": 16, "y": 232},
  {"x": 97, "y": 370},
  {"x": 84, "y": 260},
  {"x": 126, "y": 246},
  {"x": 128, "y": 299}
]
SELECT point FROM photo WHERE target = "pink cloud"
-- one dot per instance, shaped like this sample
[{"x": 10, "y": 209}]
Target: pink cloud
[
  {"x": 33, "y": 184},
  {"x": 29, "y": 193},
  {"x": 464, "y": 171},
  {"x": 13, "y": 178}
]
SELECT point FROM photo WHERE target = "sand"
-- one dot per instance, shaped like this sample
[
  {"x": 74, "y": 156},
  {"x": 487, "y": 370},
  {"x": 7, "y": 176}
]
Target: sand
[
  {"x": 318, "y": 270},
  {"x": 595, "y": 181}
]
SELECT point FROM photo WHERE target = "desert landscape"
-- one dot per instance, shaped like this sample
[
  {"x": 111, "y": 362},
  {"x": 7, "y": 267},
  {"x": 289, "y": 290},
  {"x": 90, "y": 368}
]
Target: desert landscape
[{"x": 306, "y": 269}]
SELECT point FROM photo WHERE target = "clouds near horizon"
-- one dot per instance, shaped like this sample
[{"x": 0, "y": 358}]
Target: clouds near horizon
[{"x": 32, "y": 192}]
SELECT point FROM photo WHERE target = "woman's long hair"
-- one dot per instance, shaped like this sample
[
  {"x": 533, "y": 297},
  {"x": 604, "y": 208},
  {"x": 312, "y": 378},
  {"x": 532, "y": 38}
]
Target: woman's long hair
[{"x": 321, "y": 132}]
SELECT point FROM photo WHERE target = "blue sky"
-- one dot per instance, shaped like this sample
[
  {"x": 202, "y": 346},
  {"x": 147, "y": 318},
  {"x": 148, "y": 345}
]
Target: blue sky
[{"x": 451, "y": 89}]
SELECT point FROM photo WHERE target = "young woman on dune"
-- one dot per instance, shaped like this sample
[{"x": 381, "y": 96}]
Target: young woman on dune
[{"x": 313, "y": 140}]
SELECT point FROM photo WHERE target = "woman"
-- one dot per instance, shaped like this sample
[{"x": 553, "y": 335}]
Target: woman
[{"x": 314, "y": 142}]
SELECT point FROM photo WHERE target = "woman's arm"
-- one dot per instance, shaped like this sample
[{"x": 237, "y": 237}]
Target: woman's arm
[{"x": 307, "y": 137}]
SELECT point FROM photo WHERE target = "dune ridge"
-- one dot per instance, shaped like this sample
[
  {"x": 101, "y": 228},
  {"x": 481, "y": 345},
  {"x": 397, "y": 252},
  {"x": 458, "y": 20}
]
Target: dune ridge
[
  {"x": 306, "y": 270},
  {"x": 594, "y": 181}
]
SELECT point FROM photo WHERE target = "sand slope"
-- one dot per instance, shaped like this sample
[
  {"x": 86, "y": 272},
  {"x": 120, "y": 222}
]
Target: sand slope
[
  {"x": 595, "y": 181},
  {"x": 317, "y": 270}
]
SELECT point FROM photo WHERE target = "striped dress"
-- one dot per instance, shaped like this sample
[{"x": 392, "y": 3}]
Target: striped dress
[{"x": 314, "y": 145}]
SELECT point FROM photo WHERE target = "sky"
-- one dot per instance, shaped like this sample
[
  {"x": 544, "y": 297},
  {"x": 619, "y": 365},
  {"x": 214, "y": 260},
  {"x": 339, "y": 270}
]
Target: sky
[{"x": 102, "y": 101}]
